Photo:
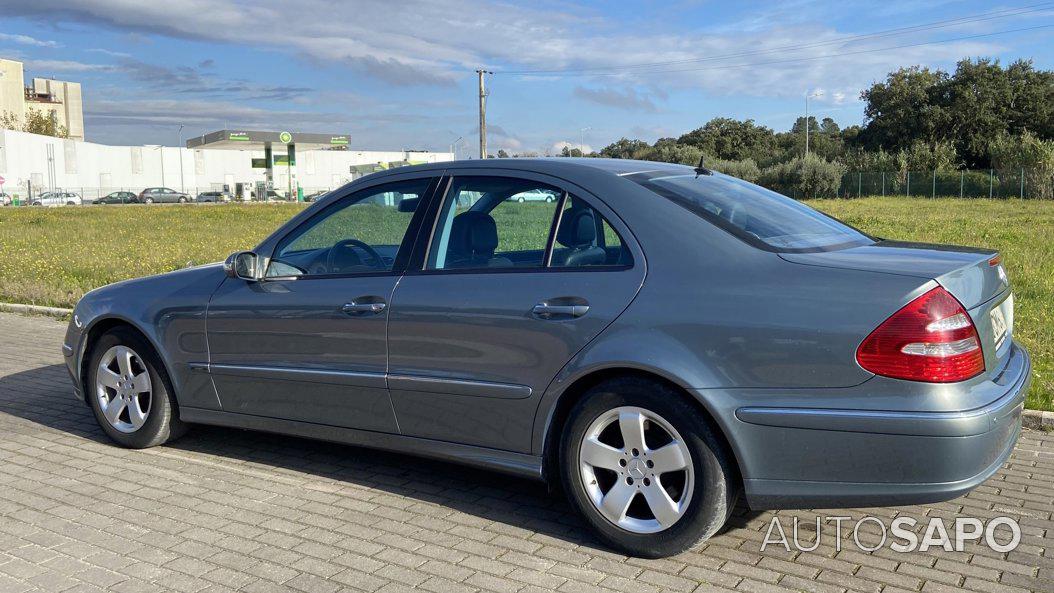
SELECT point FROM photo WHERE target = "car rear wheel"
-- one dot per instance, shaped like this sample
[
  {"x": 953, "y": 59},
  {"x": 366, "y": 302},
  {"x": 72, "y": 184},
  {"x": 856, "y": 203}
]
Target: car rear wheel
[
  {"x": 130, "y": 393},
  {"x": 645, "y": 469},
  {"x": 148, "y": 201},
  {"x": 71, "y": 203}
]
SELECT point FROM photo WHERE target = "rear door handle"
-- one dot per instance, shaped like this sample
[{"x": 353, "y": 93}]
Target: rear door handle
[
  {"x": 364, "y": 306},
  {"x": 547, "y": 311}
]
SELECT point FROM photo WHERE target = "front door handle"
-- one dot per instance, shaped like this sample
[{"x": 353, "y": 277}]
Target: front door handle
[
  {"x": 549, "y": 311},
  {"x": 364, "y": 306}
]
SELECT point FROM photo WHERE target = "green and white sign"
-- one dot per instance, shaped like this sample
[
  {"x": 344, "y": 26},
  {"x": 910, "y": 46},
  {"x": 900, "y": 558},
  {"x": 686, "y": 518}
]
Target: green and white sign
[
  {"x": 285, "y": 137},
  {"x": 238, "y": 136},
  {"x": 338, "y": 141}
]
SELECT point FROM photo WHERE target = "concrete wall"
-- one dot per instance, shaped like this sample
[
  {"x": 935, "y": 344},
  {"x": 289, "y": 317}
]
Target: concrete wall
[{"x": 96, "y": 169}]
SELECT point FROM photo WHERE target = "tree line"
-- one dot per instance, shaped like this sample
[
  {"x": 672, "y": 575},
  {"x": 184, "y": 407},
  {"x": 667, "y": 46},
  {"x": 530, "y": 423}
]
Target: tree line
[{"x": 981, "y": 116}]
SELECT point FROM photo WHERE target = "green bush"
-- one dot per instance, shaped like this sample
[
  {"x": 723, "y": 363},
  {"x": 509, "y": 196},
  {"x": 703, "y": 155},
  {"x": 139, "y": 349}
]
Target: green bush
[
  {"x": 746, "y": 169},
  {"x": 804, "y": 178}
]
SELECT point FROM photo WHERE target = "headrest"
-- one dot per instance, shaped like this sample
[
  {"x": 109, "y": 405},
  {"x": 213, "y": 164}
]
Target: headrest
[
  {"x": 578, "y": 228},
  {"x": 473, "y": 233}
]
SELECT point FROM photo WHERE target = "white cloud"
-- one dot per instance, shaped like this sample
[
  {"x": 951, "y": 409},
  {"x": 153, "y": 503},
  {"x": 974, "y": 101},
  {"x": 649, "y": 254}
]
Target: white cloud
[
  {"x": 558, "y": 147},
  {"x": 27, "y": 40},
  {"x": 436, "y": 42}
]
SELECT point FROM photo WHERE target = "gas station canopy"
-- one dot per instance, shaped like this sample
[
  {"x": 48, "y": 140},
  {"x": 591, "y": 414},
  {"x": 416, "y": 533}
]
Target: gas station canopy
[{"x": 250, "y": 140}]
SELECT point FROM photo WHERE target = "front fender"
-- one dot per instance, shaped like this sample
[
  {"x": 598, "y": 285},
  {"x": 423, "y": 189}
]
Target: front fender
[{"x": 168, "y": 310}]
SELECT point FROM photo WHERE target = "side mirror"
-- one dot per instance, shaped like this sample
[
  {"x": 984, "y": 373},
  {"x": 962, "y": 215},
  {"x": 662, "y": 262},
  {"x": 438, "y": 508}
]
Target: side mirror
[{"x": 242, "y": 265}]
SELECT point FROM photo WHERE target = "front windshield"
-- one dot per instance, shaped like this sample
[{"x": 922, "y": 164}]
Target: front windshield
[{"x": 762, "y": 217}]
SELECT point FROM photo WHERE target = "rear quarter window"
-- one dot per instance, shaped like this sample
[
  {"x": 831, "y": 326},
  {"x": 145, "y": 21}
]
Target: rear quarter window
[{"x": 761, "y": 217}]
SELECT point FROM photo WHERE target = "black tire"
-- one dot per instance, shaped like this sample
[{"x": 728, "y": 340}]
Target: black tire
[
  {"x": 182, "y": 200},
  {"x": 148, "y": 201},
  {"x": 716, "y": 485},
  {"x": 162, "y": 423}
]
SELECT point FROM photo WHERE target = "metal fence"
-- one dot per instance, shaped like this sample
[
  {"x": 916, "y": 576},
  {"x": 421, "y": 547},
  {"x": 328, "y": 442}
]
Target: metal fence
[{"x": 991, "y": 183}]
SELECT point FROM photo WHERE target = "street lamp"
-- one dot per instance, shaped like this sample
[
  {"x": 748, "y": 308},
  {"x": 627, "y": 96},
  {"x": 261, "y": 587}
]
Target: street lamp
[
  {"x": 179, "y": 146},
  {"x": 816, "y": 93},
  {"x": 453, "y": 146},
  {"x": 582, "y": 138}
]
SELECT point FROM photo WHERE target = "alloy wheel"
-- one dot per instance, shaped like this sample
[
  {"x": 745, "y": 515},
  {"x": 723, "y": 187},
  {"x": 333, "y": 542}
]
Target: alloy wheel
[
  {"x": 123, "y": 389},
  {"x": 636, "y": 469}
]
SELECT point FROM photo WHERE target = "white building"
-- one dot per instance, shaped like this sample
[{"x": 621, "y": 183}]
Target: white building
[
  {"x": 45, "y": 163},
  {"x": 57, "y": 100}
]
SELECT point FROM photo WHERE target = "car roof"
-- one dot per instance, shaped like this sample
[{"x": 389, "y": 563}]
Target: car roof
[{"x": 553, "y": 165}]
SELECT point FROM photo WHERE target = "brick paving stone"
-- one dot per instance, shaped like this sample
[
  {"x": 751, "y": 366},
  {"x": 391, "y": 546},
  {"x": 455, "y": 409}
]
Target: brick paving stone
[{"x": 227, "y": 510}]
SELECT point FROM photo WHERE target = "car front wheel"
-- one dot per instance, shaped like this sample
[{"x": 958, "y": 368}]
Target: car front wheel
[
  {"x": 645, "y": 469},
  {"x": 129, "y": 392},
  {"x": 148, "y": 201}
]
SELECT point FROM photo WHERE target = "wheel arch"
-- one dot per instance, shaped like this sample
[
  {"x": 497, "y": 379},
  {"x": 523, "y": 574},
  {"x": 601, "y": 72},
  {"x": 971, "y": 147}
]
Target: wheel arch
[
  {"x": 575, "y": 390},
  {"x": 99, "y": 327}
]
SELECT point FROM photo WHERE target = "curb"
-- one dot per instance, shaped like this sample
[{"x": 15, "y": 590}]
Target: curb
[
  {"x": 1037, "y": 419},
  {"x": 56, "y": 312}
]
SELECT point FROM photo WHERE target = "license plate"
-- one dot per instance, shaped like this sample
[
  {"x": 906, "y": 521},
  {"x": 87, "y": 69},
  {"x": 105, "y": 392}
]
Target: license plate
[{"x": 1000, "y": 320}]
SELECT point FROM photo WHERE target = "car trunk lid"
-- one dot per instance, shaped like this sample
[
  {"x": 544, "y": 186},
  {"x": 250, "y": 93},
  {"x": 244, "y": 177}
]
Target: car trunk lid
[{"x": 975, "y": 277}]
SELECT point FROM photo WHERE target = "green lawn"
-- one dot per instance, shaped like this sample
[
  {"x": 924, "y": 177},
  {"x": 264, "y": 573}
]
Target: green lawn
[{"x": 53, "y": 256}]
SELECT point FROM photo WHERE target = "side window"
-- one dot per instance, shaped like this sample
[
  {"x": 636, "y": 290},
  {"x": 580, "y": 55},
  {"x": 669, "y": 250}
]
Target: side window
[
  {"x": 585, "y": 239},
  {"x": 493, "y": 222},
  {"x": 359, "y": 234}
]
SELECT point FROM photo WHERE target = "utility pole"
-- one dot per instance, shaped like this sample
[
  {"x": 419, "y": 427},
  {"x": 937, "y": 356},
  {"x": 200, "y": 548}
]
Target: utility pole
[{"x": 482, "y": 114}]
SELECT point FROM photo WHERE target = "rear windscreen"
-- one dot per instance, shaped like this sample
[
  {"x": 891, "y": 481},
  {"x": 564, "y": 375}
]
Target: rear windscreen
[{"x": 761, "y": 217}]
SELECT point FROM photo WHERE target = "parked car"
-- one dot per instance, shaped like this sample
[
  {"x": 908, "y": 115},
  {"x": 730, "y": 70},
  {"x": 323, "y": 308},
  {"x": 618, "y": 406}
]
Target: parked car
[
  {"x": 118, "y": 197},
  {"x": 162, "y": 195},
  {"x": 5, "y": 199},
  {"x": 57, "y": 198},
  {"x": 272, "y": 196},
  {"x": 213, "y": 196},
  {"x": 536, "y": 195},
  {"x": 314, "y": 196},
  {"x": 661, "y": 341}
]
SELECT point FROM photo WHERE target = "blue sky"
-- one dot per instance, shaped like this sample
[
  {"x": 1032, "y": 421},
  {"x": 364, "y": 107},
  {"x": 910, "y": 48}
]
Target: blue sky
[{"x": 398, "y": 75}]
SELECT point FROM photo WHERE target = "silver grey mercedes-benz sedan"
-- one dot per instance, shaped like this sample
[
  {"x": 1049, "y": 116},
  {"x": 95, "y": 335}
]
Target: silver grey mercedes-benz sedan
[{"x": 658, "y": 340}]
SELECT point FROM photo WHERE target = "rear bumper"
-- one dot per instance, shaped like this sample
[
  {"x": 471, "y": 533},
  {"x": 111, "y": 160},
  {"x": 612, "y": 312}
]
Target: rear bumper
[{"x": 832, "y": 458}]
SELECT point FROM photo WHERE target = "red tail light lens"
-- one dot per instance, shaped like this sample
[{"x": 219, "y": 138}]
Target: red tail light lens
[{"x": 931, "y": 339}]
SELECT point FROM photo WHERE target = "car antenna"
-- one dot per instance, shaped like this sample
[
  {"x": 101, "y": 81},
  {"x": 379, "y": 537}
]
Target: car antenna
[{"x": 701, "y": 169}]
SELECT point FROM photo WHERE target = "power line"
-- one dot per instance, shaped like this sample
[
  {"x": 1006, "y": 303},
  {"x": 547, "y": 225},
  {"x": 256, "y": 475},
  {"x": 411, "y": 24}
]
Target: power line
[
  {"x": 842, "y": 41},
  {"x": 821, "y": 57}
]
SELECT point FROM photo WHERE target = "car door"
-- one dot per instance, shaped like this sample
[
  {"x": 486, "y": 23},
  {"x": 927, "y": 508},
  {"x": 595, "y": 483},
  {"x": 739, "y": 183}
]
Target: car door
[
  {"x": 496, "y": 303},
  {"x": 308, "y": 342}
]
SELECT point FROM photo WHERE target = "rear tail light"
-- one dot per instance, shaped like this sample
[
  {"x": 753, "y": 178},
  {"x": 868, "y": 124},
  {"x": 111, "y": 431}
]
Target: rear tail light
[{"x": 931, "y": 339}]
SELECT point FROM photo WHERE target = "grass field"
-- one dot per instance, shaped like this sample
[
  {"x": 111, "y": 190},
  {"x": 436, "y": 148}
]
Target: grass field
[{"x": 53, "y": 256}]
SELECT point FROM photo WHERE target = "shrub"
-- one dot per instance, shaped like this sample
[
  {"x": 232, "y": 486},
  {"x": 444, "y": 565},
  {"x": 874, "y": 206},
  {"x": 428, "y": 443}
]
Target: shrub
[
  {"x": 1033, "y": 156},
  {"x": 804, "y": 178},
  {"x": 746, "y": 169}
]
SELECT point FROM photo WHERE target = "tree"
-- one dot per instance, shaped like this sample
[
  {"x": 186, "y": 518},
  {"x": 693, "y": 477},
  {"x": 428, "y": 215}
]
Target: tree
[
  {"x": 502, "y": 154},
  {"x": 971, "y": 108},
  {"x": 905, "y": 108},
  {"x": 568, "y": 151},
  {"x": 624, "y": 149},
  {"x": 829, "y": 127},
  {"x": 37, "y": 122},
  {"x": 730, "y": 139}
]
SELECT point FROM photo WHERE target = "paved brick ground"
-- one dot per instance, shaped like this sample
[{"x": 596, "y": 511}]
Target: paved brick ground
[{"x": 224, "y": 510}]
